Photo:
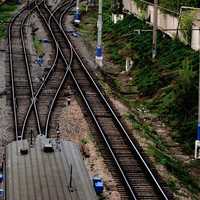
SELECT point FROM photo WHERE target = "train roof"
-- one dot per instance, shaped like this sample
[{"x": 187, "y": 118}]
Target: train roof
[{"x": 43, "y": 173}]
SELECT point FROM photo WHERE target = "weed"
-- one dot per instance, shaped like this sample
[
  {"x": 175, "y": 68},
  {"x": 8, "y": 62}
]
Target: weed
[
  {"x": 176, "y": 168},
  {"x": 5, "y": 15},
  {"x": 84, "y": 141},
  {"x": 38, "y": 45}
]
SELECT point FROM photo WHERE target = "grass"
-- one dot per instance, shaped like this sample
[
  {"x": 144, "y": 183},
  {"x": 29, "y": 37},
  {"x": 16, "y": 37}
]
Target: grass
[
  {"x": 159, "y": 151},
  {"x": 6, "y": 11},
  {"x": 177, "y": 169},
  {"x": 38, "y": 45},
  {"x": 147, "y": 131},
  {"x": 84, "y": 141},
  {"x": 167, "y": 85}
]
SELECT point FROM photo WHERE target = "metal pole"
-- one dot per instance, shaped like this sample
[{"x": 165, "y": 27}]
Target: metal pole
[
  {"x": 99, "y": 53},
  {"x": 155, "y": 28},
  {"x": 197, "y": 142},
  {"x": 198, "y": 134},
  {"x": 99, "y": 25}
]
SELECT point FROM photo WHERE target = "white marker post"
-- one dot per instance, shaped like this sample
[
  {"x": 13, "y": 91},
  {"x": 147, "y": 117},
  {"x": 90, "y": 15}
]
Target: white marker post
[
  {"x": 77, "y": 16},
  {"x": 117, "y": 11},
  {"x": 99, "y": 51}
]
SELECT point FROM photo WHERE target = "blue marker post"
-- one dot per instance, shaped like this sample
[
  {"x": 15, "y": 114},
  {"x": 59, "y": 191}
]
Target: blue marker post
[
  {"x": 1, "y": 185},
  {"x": 198, "y": 131},
  {"x": 99, "y": 53},
  {"x": 77, "y": 16},
  {"x": 99, "y": 50},
  {"x": 197, "y": 143}
]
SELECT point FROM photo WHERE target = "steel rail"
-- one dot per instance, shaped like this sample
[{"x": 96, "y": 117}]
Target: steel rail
[
  {"x": 62, "y": 82},
  {"x": 118, "y": 121},
  {"x": 29, "y": 73},
  {"x": 12, "y": 70},
  {"x": 65, "y": 75},
  {"x": 39, "y": 90},
  {"x": 131, "y": 190}
]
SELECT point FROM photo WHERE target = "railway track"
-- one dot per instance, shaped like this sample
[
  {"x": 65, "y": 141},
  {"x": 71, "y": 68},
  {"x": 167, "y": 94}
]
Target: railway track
[
  {"x": 139, "y": 180},
  {"x": 31, "y": 100},
  {"x": 19, "y": 72},
  {"x": 36, "y": 106}
]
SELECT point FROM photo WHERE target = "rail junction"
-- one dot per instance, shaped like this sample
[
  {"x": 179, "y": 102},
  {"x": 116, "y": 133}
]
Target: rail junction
[{"x": 36, "y": 105}]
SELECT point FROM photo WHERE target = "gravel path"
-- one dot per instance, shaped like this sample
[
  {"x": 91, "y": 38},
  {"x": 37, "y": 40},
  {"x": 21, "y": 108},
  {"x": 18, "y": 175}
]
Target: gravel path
[
  {"x": 74, "y": 127},
  {"x": 37, "y": 71}
]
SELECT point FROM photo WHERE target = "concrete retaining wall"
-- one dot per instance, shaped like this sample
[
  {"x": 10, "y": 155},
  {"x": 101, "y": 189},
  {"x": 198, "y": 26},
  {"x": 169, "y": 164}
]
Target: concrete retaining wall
[{"x": 165, "y": 21}]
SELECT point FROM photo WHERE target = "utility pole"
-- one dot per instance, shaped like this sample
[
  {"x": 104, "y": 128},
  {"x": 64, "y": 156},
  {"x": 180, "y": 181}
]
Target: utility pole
[
  {"x": 197, "y": 142},
  {"x": 99, "y": 51},
  {"x": 155, "y": 28},
  {"x": 77, "y": 16}
]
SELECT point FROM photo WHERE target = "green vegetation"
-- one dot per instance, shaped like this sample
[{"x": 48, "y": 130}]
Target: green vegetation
[
  {"x": 158, "y": 149},
  {"x": 176, "y": 168},
  {"x": 38, "y": 45},
  {"x": 84, "y": 141},
  {"x": 147, "y": 131},
  {"x": 175, "y": 4},
  {"x": 5, "y": 15},
  {"x": 168, "y": 85},
  {"x": 186, "y": 24},
  {"x": 141, "y": 5}
]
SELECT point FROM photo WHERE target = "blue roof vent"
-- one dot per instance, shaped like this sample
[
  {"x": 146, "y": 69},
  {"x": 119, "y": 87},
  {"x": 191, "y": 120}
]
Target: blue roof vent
[{"x": 98, "y": 184}]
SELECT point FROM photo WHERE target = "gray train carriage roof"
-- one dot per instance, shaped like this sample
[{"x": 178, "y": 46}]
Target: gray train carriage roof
[{"x": 46, "y": 176}]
